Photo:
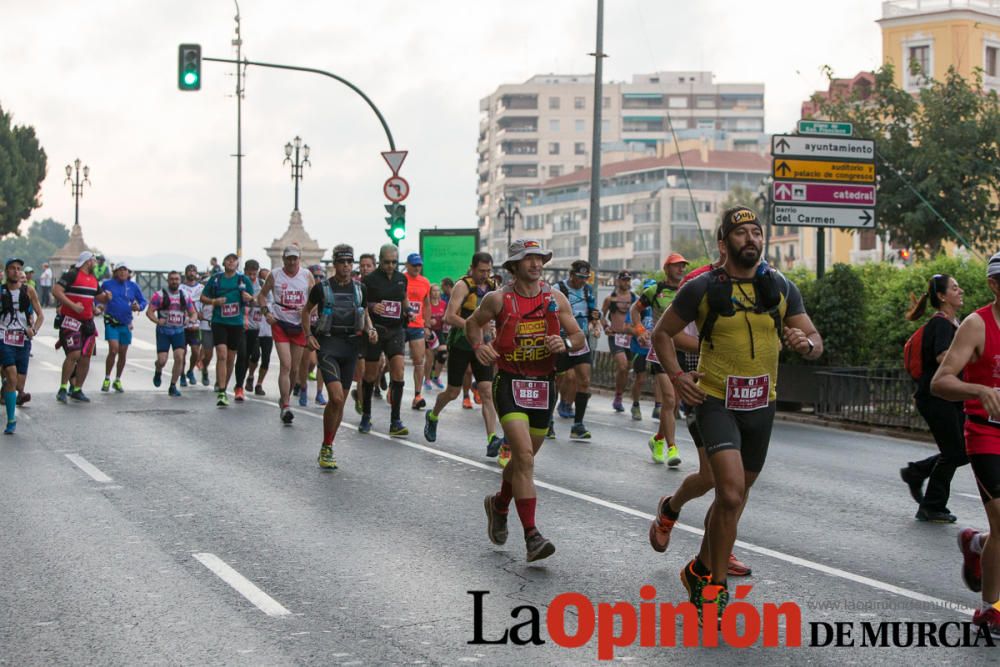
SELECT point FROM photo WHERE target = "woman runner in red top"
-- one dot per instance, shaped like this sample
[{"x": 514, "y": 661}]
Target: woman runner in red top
[
  {"x": 528, "y": 315},
  {"x": 975, "y": 353}
]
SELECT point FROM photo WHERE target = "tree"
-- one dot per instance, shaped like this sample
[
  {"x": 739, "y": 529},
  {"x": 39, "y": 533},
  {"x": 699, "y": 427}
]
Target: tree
[
  {"x": 22, "y": 169},
  {"x": 54, "y": 232},
  {"x": 38, "y": 245},
  {"x": 943, "y": 144}
]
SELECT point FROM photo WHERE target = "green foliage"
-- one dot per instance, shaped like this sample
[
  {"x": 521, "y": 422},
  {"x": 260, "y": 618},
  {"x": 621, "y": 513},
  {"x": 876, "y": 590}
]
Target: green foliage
[
  {"x": 861, "y": 310},
  {"x": 42, "y": 241},
  {"x": 22, "y": 169},
  {"x": 945, "y": 143}
]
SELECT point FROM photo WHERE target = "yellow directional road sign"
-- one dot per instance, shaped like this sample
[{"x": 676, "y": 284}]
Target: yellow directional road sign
[{"x": 820, "y": 170}]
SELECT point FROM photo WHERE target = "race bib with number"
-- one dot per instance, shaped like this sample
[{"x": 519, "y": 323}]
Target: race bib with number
[
  {"x": 531, "y": 394},
  {"x": 230, "y": 309},
  {"x": 70, "y": 323},
  {"x": 622, "y": 340},
  {"x": 393, "y": 309},
  {"x": 651, "y": 357},
  {"x": 582, "y": 351},
  {"x": 293, "y": 298},
  {"x": 13, "y": 337},
  {"x": 175, "y": 318},
  {"x": 414, "y": 308},
  {"x": 747, "y": 393},
  {"x": 256, "y": 316}
]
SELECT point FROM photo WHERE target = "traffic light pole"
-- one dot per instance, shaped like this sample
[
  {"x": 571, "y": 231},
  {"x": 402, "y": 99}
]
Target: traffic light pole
[{"x": 385, "y": 126}]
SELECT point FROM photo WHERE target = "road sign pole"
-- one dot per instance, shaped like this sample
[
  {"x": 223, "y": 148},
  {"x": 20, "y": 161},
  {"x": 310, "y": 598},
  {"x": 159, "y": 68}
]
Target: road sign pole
[{"x": 820, "y": 252}]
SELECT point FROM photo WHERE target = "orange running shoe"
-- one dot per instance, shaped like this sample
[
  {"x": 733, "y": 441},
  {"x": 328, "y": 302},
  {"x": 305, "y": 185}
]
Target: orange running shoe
[
  {"x": 738, "y": 568},
  {"x": 467, "y": 403},
  {"x": 659, "y": 529}
]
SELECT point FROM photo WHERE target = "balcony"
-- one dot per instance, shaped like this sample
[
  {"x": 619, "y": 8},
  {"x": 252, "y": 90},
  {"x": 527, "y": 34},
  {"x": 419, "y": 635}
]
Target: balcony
[
  {"x": 517, "y": 103},
  {"x": 899, "y": 8}
]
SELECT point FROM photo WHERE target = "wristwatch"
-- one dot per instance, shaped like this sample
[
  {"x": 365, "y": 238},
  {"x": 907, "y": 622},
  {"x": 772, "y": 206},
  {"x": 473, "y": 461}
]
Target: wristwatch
[{"x": 812, "y": 346}]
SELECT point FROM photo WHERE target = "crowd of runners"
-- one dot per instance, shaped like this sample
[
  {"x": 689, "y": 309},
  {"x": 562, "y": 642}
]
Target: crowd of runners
[{"x": 523, "y": 349}]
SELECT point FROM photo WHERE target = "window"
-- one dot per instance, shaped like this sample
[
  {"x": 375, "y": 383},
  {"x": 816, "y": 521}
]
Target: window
[
  {"x": 612, "y": 240},
  {"x": 579, "y": 102},
  {"x": 580, "y": 125},
  {"x": 605, "y": 126},
  {"x": 555, "y": 170},
  {"x": 553, "y": 148},
  {"x": 990, "y": 64},
  {"x": 681, "y": 211},
  {"x": 553, "y": 102},
  {"x": 534, "y": 222},
  {"x": 919, "y": 59},
  {"x": 705, "y": 123},
  {"x": 646, "y": 241},
  {"x": 612, "y": 212},
  {"x": 678, "y": 102},
  {"x": 553, "y": 125},
  {"x": 565, "y": 221},
  {"x": 566, "y": 247},
  {"x": 579, "y": 148},
  {"x": 606, "y": 103},
  {"x": 705, "y": 102},
  {"x": 646, "y": 212}
]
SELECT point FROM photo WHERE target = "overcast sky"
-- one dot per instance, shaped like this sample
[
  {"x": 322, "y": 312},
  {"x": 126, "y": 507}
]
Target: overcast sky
[{"x": 97, "y": 80}]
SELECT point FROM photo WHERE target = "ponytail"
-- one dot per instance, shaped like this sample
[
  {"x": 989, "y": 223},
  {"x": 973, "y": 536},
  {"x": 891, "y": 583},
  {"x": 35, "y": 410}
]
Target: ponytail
[{"x": 938, "y": 284}]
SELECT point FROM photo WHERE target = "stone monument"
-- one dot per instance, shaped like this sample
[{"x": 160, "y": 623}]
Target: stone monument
[
  {"x": 295, "y": 235},
  {"x": 66, "y": 256}
]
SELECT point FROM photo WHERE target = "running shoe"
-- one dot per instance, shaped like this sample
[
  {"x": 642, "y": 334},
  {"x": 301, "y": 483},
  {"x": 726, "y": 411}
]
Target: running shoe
[
  {"x": 972, "y": 567},
  {"x": 493, "y": 446},
  {"x": 636, "y": 413},
  {"x": 673, "y": 456},
  {"x": 157, "y": 378},
  {"x": 23, "y": 397},
  {"x": 358, "y": 407},
  {"x": 61, "y": 395},
  {"x": 204, "y": 377},
  {"x": 11, "y": 426},
  {"x": 656, "y": 446},
  {"x": 934, "y": 516},
  {"x": 914, "y": 482},
  {"x": 438, "y": 383},
  {"x": 427, "y": 385},
  {"x": 718, "y": 595},
  {"x": 106, "y": 385},
  {"x": 173, "y": 391},
  {"x": 325, "y": 458},
  {"x": 430, "y": 428},
  {"x": 694, "y": 584},
  {"x": 989, "y": 619},
  {"x": 656, "y": 411},
  {"x": 565, "y": 410},
  {"x": 249, "y": 384},
  {"x": 295, "y": 390},
  {"x": 192, "y": 380},
  {"x": 259, "y": 391},
  {"x": 303, "y": 398},
  {"x": 366, "y": 424},
  {"x": 320, "y": 398},
  {"x": 184, "y": 380},
  {"x": 737, "y": 568},
  {"x": 397, "y": 430},
  {"x": 117, "y": 385},
  {"x": 538, "y": 547},
  {"x": 287, "y": 417},
  {"x": 238, "y": 395},
  {"x": 617, "y": 404},
  {"x": 221, "y": 400},
  {"x": 467, "y": 403},
  {"x": 312, "y": 375},
  {"x": 476, "y": 397},
  {"x": 579, "y": 432},
  {"x": 659, "y": 529},
  {"x": 496, "y": 522},
  {"x": 418, "y": 402},
  {"x": 551, "y": 433},
  {"x": 503, "y": 457},
  {"x": 78, "y": 395}
]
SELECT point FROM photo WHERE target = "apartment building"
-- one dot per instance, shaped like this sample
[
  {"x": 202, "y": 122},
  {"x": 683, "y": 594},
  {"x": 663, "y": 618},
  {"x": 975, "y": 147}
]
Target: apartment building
[
  {"x": 646, "y": 208},
  {"x": 541, "y": 130}
]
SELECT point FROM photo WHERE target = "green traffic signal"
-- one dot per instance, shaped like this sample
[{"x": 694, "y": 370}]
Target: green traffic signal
[
  {"x": 396, "y": 221},
  {"x": 189, "y": 67}
]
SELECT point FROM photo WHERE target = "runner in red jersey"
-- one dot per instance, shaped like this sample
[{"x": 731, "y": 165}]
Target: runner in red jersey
[
  {"x": 975, "y": 353},
  {"x": 528, "y": 315}
]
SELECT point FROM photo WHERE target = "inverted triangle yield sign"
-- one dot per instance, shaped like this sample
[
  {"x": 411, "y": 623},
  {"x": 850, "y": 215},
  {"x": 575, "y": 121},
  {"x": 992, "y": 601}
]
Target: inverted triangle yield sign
[{"x": 394, "y": 159}]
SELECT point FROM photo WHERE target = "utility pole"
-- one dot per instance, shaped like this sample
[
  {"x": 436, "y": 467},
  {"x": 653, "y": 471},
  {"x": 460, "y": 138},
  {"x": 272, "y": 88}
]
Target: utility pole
[
  {"x": 593, "y": 238},
  {"x": 238, "y": 43}
]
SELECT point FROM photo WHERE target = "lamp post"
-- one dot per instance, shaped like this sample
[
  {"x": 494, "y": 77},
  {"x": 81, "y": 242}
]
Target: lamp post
[
  {"x": 76, "y": 185},
  {"x": 295, "y": 146},
  {"x": 764, "y": 207},
  {"x": 509, "y": 211}
]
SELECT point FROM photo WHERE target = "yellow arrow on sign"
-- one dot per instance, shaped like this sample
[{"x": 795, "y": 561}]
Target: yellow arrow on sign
[{"x": 821, "y": 170}]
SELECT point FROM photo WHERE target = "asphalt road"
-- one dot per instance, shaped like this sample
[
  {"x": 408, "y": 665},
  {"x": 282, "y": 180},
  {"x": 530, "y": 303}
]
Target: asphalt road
[{"x": 143, "y": 529}]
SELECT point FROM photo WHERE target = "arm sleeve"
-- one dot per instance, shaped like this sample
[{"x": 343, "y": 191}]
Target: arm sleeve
[{"x": 794, "y": 299}]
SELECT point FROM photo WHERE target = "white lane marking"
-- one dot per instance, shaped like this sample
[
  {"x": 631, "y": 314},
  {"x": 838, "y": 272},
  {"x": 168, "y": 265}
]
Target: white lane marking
[
  {"x": 747, "y": 546},
  {"x": 89, "y": 468},
  {"x": 140, "y": 344},
  {"x": 136, "y": 364},
  {"x": 45, "y": 340},
  {"x": 242, "y": 585},
  {"x": 968, "y": 495},
  {"x": 50, "y": 366}
]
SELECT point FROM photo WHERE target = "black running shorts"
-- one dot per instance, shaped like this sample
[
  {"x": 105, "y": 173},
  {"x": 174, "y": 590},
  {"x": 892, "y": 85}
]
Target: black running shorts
[
  {"x": 390, "y": 341},
  {"x": 458, "y": 360},
  {"x": 986, "y": 470},
  {"x": 749, "y": 431},
  {"x": 530, "y": 390}
]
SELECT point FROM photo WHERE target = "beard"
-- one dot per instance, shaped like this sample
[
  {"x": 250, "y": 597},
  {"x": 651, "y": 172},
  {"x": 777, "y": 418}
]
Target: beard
[{"x": 745, "y": 257}]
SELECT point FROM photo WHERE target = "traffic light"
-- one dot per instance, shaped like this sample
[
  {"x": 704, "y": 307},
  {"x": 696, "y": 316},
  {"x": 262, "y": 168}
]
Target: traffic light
[
  {"x": 189, "y": 67},
  {"x": 904, "y": 255},
  {"x": 396, "y": 221}
]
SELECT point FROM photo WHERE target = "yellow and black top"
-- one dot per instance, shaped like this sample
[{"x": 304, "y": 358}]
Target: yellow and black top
[
  {"x": 456, "y": 337},
  {"x": 744, "y": 342}
]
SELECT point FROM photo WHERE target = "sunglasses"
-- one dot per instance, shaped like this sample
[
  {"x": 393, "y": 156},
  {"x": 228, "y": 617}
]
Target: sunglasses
[
  {"x": 390, "y": 261},
  {"x": 344, "y": 260}
]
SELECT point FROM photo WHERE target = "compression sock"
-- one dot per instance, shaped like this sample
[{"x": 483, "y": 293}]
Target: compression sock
[
  {"x": 10, "y": 402},
  {"x": 366, "y": 396},
  {"x": 396, "y": 398},
  {"x": 581, "y": 406},
  {"x": 526, "y": 513},
  {"x": 501, "y": 501}
]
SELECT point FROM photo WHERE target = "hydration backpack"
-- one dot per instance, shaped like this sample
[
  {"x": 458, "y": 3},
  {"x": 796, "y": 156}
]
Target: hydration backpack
[{"x": 913, "y": 357}]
